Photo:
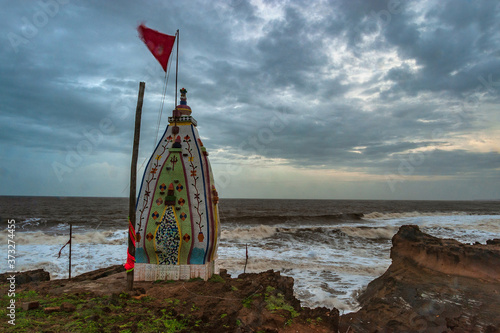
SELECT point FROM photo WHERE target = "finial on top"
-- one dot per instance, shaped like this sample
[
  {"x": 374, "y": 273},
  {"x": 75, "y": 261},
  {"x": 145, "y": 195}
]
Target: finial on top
[
  {"x": 183, "y": 96},
  {"x": 183, "y": 107}
]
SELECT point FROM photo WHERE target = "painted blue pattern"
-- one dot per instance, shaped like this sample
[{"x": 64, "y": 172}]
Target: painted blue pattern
[
  {"x": 140, "y": 255},
  {"x": 197, "y": 256},
  {"x": 167, "y": 239}
]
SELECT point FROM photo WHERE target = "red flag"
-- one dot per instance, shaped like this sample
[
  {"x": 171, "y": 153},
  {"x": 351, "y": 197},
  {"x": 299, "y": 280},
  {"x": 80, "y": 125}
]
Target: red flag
[
  {"x": 59, "y": 256},
  {"x": 159, "y": 44}
]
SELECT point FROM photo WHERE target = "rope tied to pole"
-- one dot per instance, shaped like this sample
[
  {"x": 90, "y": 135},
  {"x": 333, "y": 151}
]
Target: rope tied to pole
[{"x": 129, "y": 265}]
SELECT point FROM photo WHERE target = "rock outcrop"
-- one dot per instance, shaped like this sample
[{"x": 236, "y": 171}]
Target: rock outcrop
[
  {"x": 249, "y": 303},
  {"x": 37, "y": 275},
  {"x": 447, "y": 256},
  {"x": 99, "y": 273},
  {"x": 432, "y": 285}
]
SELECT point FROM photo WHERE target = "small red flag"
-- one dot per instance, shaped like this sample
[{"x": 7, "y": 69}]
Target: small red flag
[
  {"x": 59, "y": 255},
  {"x": 159, "y": 44}
]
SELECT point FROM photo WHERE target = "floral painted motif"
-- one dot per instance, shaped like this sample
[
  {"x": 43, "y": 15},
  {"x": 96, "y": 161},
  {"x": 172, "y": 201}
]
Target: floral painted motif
[
  {"x": 193, "y": 170},
  {"x": 148, "y": 182}
]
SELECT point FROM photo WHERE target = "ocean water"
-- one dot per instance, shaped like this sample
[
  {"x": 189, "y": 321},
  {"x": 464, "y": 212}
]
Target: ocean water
[{"x": 332, "y": 248}]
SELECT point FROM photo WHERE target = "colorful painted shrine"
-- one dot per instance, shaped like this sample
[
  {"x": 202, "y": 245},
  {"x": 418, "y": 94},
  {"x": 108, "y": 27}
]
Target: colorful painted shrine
[{"x": 177, "y": 222}]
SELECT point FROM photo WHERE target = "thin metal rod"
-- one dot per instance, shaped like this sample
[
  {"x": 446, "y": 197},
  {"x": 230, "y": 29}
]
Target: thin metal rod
[
  {"x": 133, "y": 178},
  {"x": 246, "y": 260},
  {"x": 70, "y": 236},
  {"x": 176, "y": 67}
]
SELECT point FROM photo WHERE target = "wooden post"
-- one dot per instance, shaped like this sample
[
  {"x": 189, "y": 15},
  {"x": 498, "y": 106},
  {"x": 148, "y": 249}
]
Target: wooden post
[
  {"x": 133, "y": 177},
  {"x": 70, "y": 236}
]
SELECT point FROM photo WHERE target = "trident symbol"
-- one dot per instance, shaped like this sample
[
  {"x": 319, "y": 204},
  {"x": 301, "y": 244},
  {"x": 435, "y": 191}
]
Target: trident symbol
[{"x": 173, "y": 160}]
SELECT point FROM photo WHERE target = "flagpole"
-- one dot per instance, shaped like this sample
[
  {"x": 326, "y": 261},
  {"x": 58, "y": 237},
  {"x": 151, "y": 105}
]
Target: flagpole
[
  {"x": 176, "y": 67},
  {"x": 70, "y": 236}
]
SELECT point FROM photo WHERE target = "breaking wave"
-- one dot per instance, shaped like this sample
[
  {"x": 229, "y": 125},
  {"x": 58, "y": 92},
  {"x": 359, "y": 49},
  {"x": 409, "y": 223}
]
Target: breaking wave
[
  {"x": 390, "y": 216},
  {"x": 277, "y": 219},
  {"x": 371, "y": 232},
  {"x": 251, "y": 233},
  {"x": 92, "y": 237},
  {"x": 262, "y": 231}
]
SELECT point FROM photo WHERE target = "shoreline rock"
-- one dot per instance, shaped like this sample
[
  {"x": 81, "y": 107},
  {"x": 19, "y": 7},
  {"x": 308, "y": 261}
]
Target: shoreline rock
[
  {"x": 447, "y": 256},
  {"x": 432, "y": 285},
  {"x": 37, "y": 275}
]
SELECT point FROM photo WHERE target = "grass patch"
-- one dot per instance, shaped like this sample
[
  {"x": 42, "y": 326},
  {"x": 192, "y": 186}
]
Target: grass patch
[
  {"x": 95, "y": 314},
  {"x": 173, "y": 301},
  {"x": 195, "y": 279},
  {"x": 216, "y": 278},
  {"x": 278, "y": 302},
  {"x": 169, "y": 324},
  {"x": 247, "y": 302}
]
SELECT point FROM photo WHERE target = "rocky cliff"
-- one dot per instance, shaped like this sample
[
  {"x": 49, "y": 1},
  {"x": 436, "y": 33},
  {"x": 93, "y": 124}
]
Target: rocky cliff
[{"x": 432, "y": 285}]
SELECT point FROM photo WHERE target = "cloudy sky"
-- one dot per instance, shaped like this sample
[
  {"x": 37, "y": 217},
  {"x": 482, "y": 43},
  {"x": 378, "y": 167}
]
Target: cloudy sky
[{"x": 294, "y": 99}]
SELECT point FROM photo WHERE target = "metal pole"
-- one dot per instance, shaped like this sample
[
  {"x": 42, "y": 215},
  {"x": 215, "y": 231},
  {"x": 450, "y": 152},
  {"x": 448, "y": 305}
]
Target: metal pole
[
  {"x": 246, "y": 260},
  {"x": 133, "y": 178},
  {"x": 70, "y": 236},
  {"x": 176, "y": 67}
]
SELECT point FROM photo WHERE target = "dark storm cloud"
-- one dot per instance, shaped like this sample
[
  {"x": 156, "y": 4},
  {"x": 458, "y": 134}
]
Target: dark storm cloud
[
  {"x": 456, "y": 162},
  {"x": 455, "y": 46}
]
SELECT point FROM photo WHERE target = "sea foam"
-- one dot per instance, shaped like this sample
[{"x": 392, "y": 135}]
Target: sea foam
[{"x": 329, "y": 262}]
